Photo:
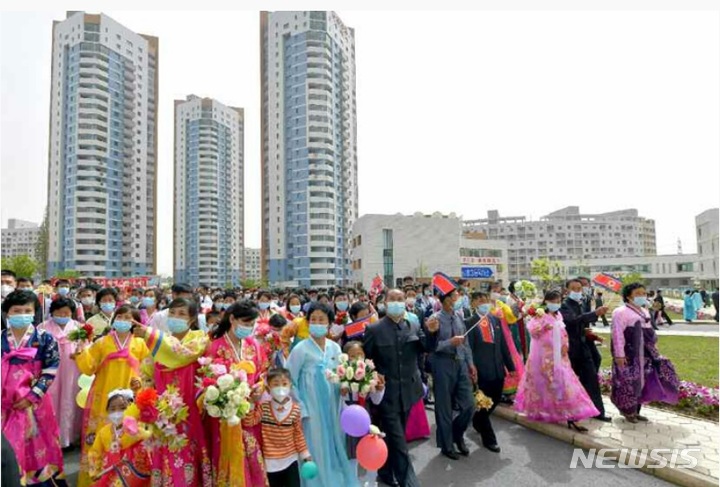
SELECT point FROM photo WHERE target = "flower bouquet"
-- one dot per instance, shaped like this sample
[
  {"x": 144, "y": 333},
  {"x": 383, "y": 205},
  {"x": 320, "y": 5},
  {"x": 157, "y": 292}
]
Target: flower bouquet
[
  {"x": 84, "y": 333},
  {"x": 482, "y": 401},
  {"x": 163, "y": 414},
  {"x": 269, "y": 338},
  {"x": 357, "y": 376},
  {"x": 226, "y": 392},
  {"x": 534, "y": 310}
]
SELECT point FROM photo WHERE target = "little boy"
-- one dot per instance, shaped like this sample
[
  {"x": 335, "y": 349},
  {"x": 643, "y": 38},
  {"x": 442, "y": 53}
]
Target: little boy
[{"x": 283, "y": 441}]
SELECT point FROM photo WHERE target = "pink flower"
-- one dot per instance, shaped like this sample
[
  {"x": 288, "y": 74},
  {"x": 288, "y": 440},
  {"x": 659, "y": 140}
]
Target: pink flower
[
  {"x": 361, "y": 364},
  {"x": 218, "y": 369},
  {"x": 360, "y": 374},
  {"x": 204, "y": 361},
  {"x": 341, "y": 370}
]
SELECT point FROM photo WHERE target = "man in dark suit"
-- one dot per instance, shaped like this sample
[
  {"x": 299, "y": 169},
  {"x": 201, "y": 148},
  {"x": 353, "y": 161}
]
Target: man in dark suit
[
  {"x": 599, "y": 304},
  {"x": 586, "y": 307},
  {"x": 577, "y": 325},
  {"x": 394, "y": 344},
  {"x": 491, "y": 356}
]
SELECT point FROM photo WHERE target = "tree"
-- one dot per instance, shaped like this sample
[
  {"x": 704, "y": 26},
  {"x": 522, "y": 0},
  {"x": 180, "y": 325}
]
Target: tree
[
  {"x": 547, "y": 272},
  {"x": 67, "y": 274},
  {"x": 21, "y": 265},
  {"x": 632, "y": 277},
  {"x": 42, "y": 248}
]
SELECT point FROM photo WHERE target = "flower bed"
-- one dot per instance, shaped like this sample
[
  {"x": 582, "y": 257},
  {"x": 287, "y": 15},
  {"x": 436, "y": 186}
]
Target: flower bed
[
  {"x": 695, "y": 400},
  {"x": 679, "y": 310}
]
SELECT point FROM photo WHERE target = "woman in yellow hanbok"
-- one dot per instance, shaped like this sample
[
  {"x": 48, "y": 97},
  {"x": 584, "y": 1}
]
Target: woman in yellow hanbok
[
  {"x": 175, "y": 356},
  {"x": 115, "y": 361}
]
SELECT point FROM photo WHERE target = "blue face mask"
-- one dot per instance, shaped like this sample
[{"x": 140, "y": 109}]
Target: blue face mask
[
  {"x": 20, "y": 321},
  {"x": 148, "y": 302},
  {"x": 553, "y": 307},
  {"x": 318, "y": 330},
  {"x": 63, "y": 291},
  {"x": 458, "y": 305},
  {"x": 395, "y": 308},
  {"x": 484, "y": 309},
  {"x": 134, "y": 300},
  {"x": 107, "y": 307},
  {"x": 342, "y": 305},
  {"x": 264, "y": 306},
  {"x": 243, "y": 332},
  {"x": 576, "y": 296},
  {"x": 177, "y": 325},
  {"x": 640, "y": 301},
  {"x": 61, "y": 321},
  {"x": 122, "y": 326},
  {"x": 295, "y": 309}
]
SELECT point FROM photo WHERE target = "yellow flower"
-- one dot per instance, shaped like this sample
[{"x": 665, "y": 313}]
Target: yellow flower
[{"x": 482, "y": 401}]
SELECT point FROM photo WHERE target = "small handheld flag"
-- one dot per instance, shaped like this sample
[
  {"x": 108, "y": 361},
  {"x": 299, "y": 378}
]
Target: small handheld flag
[
  {"x": 357, "y": 328},
  {"x": 609, "y": 282},
  {"x": 443, "y": 284}
]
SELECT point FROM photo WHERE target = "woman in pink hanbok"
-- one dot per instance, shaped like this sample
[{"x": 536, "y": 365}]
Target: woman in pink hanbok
[
  {"x": 65, "y": 388},
  {"x": 235, "y": 451},
  {"x": 550, "y": 391}
]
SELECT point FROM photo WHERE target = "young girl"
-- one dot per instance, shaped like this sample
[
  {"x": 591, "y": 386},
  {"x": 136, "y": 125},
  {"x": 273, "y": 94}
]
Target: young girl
[
  {"x": 29, "y": 365},
  {"x": 354, "y": 351},
  {"x": 149, "y": 305},
  {"x": 65, "y": 387},
  {"x": 116, "y": 457},
  {"x": 235, "y": 452},
  {"x": 550, "y": 391},
  {"x": 106, "y": 300},
  {"x": 175, "y": 357},
  {"x": 320, "y": 400},
  {"x": 115, "y": 361}
]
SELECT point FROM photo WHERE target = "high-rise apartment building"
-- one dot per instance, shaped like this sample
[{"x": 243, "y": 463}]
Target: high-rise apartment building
[
  {"x": 309, "y": 152},
  {"x": 566, "y": 235},
  {"x": 209, "y": 155},
  {"x": 102, "y": 174},
  {"x": 20, "y": 238},
  {"x": 252, "y": 265}
]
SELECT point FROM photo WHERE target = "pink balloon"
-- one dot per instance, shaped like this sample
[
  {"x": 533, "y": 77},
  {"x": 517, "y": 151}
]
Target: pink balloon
[
  {"x": 130, "y": 425},
  {"x": 372, "y": 452}
]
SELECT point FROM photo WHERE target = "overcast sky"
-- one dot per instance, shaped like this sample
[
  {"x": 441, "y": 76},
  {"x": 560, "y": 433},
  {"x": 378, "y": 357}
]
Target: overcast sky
[{"x": 523, "y": 112}]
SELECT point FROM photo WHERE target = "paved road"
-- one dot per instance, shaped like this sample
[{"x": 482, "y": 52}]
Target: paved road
[
  {"x": 678, "y": 329},
  {"x": 528, "y": 459}
]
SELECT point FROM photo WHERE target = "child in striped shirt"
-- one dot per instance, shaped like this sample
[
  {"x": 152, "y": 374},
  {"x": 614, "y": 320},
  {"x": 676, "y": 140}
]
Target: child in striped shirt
[{"x": 283, "y": 441}]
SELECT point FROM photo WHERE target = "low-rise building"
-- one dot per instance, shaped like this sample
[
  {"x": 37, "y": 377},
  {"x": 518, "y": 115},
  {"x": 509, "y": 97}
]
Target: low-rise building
[
  {"x": 708, "y": 247},
  {"x": 397, "y": 246},
  {"x": 20, "y": 238}
]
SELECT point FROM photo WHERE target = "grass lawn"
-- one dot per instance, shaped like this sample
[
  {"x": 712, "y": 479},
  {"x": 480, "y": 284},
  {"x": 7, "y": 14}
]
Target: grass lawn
[{"x": 695, "y": 358}]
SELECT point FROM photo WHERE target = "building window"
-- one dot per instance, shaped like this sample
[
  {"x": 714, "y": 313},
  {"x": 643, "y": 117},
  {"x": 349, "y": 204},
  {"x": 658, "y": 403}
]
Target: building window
[{"x": 388, "y": 257}]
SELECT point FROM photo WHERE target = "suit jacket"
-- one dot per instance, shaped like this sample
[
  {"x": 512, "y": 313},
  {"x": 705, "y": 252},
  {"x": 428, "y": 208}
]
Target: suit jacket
[
  {"x": 395, "y": 349},
  {"x": 659, "y": 299},
  {"x": 576, "y": 321},
  {"x": 490, "y": 359}
]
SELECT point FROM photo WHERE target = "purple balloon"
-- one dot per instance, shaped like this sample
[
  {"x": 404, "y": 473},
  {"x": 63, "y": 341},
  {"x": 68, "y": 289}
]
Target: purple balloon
[{"x": 355, "y": 421}]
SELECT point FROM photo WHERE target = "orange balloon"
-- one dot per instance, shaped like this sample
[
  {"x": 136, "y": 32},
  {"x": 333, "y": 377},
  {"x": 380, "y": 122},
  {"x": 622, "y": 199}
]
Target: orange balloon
[{"x": 372, "y": 452}]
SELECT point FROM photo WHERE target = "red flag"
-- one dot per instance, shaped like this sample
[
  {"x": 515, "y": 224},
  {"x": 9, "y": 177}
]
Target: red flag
[
  {"x": 377, "y": 285},
  {"x": 444, "y": 284},
  {"x": 357, "y": 327},
  {"x": 606, "y": 281}
]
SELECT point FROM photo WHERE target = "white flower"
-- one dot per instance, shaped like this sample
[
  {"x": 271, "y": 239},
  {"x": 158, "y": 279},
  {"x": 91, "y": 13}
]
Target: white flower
[
  {"x": 355, "y": 387},
  {"x": 225, "y": 382},
  {"x": 345, "y": 385},
  {"x": 214, "y": 411},
  {"x": 235, "y": 399},
  {"x": 349, "y": 373},
  {"x": 244, "y": 389},
  {"x": 211, "y": 394},
  {"x": 365, "y": 390},
  {"x": 343, "y": 358},
  {"x": 233, "y": 420},
  {"x": 334, "y": 379}
]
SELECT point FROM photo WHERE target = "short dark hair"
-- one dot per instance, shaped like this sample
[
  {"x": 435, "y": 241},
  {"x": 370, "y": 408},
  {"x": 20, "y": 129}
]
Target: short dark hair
[
  {"x": 25, "y": 279},
  {"x": 8, "y": 272},
  {"x": 181, "y": 288},
  {"x": 551, "y": 295},
  {"x": 339, "y": 294},
  {"x": 126, "y": 308},
  {"x": 278, "y": 373},
  {"x": 352, "y": 344},
  {"x": 479, "y": 295},
  {"x": 277, "y": 321},
  {"x": 61, "y": 303},
  {"x": 263, "y": 294},
  {"x": 106, "y": 291},
  {"x": 212, "y": 314},
  {"x": 629, "y": 288},
  {"x": 244, "y": 310},
  {"x": 192, "y": 307},
  {"x": 570, "y": 281},
  {"x": 19, "y": 298},
  {"x": 323, "y": 308},
  {"x": 356, "y": 308},
  {"x": 61, "y": 281},
  {"x": 323, "y": 295},
  {"x": 229, "y": 294}
]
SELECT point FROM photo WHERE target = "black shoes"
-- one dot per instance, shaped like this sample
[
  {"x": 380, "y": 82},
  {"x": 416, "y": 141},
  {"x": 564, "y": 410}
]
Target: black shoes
[
  {"x": 493, "y": 448},
  {"x": 462, "y": 448},
  {"x": 452, "y": 455},
  {"x": 603, "y": 418}
]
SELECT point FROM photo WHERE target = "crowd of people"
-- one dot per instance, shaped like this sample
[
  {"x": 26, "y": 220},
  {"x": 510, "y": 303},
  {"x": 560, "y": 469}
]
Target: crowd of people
[{"x": 80, "y": 364}]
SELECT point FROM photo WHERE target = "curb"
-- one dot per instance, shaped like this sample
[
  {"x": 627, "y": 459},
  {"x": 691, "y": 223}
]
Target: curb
[{"x": 684, "y": 477}]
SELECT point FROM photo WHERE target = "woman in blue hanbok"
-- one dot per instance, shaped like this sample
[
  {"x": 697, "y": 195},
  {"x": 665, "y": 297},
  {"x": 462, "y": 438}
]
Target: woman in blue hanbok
[
  {"x": 689, "y": 308},
  {"x": 320, "y": 401}
]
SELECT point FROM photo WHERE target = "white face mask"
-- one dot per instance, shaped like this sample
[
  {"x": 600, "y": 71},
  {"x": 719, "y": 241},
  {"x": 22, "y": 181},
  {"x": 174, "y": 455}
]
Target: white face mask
[
  {"x": 279, "y": 393},
  {"x": 6, "y": 289},
  {"x": 116, "y": 418}
]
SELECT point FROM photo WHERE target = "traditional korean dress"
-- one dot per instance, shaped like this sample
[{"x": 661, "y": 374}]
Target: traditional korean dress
[
  {"x": 119, "y": 459},
  {"x": 549, "y": 391},
  {"x": 28, "y": 370},
  {"x": 647, "y": 376},
  {"x": 65, "y": 388},
  {"x": 176, "y": 364},
  {"x": 689, "y": 308},
  {"x": 236, "y": 453},
  {"x": 503, "y": 312},
  {"x": 321, "y": 404},
  {"x": 521, "y": 337},
  {"x": 114, "y": 364}
]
